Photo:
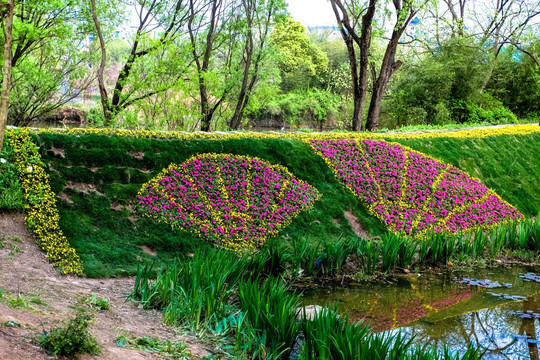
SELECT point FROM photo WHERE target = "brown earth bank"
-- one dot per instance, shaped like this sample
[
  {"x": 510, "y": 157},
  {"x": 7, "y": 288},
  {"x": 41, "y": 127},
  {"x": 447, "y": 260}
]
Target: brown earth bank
[{"x": 25, "y": 274}]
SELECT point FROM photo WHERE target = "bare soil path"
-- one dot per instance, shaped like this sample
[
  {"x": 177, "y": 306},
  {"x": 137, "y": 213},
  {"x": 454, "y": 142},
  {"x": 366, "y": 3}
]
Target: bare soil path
[{"x": 26, "y": 274}]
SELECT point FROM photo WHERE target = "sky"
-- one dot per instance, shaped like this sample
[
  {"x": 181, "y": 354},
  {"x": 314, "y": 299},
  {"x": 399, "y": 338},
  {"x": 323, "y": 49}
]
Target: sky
[{"x": 312, "y": 12}]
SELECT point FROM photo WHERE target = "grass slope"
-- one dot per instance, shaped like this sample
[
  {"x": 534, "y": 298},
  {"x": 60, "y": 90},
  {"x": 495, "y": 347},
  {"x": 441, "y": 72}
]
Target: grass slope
[
  {"x": 113, "y": 171},
  {"x": 108, "y": 240}
]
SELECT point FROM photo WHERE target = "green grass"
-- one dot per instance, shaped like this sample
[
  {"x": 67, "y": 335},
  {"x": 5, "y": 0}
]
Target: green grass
[{"x": 109, "y": 241}]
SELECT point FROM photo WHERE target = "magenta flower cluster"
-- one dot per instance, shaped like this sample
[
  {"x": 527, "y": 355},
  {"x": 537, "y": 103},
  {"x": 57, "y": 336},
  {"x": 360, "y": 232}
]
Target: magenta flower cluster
[
  {"x": 410, "y": 191},
  {"x": 233, "y": 201}
]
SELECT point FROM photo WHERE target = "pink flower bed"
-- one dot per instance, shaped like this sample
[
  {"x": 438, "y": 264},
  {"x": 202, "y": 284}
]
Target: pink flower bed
[
  {"x": 232, "y": 201},
  {"x": 410, "y": 191}
]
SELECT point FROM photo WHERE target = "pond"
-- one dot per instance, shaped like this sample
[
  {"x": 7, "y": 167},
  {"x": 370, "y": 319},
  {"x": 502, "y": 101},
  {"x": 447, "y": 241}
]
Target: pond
[{"x": 497, "y": 309}]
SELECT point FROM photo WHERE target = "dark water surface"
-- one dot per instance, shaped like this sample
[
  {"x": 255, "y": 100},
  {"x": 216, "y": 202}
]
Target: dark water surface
[{"x": 497, "y": 310}]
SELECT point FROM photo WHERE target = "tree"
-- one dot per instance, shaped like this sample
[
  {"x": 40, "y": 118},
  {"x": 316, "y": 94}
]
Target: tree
[
  {"x": 131, "y": 86},
  {"x": 297, "y": 58},
  {"x": 6, "y": 19},
  {"x": 43, "y": 33},
  {"x": 216, "y": 15},
  {"x": 350, "y": 15},
  {"x": 260, "y": 16},
  {"x": 101, "y": 82},
  {"x": 405, "y": 12}
]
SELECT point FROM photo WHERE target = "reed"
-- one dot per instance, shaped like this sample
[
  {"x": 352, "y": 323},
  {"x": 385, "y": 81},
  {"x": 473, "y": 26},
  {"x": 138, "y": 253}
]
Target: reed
[
  {"x": 332, "y": 336},
  {"x": 271, "y": 310},
  {"x": 391, "y": 243},
  {"x": 369, "y": 251},
  {"x": 406, "y": 252}
]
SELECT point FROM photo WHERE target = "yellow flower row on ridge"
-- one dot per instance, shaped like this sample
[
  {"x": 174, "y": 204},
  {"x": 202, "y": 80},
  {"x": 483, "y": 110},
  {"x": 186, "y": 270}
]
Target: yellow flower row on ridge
[
  {"x": 42, "y": 215},
  {"x": 471, "y": 133}
]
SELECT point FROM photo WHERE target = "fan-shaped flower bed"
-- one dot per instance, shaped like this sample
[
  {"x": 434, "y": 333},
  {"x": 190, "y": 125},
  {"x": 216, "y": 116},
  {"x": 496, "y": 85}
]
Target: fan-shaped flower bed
[
  {"x": 410, "y": 191},
  {"x": 233, "y": 201}
]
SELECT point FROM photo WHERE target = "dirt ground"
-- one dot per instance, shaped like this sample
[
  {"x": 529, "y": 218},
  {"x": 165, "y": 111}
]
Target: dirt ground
[{"x": 25, "y": 273}]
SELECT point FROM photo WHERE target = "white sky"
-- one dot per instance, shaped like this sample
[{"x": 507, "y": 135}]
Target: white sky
[{"x": 312, "y": 12}]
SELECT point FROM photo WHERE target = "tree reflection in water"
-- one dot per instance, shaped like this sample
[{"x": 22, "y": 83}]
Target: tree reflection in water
[{"x": 498, "y": 331}]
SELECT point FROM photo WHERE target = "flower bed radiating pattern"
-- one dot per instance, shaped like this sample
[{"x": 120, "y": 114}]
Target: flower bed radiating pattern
[
  {"x": 410, "y": 191},
  {"x": 233, "y": 201}
]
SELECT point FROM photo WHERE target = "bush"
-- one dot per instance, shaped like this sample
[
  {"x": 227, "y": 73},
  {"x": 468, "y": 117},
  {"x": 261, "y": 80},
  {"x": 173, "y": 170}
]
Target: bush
[
  {"x": 11, "y": 196},
  {"x": 299, "y": 106},
  {"x": 72, "y": 339}
]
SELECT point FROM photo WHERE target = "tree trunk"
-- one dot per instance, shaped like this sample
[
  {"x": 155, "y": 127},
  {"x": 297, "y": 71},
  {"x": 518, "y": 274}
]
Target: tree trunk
[
  {"x": 388, "y": 67},
  {"x": 205, "y": 108},
  {"x": 6, "y": 81},
  {"x": 101, "y": 82},
  {"x": 241, "y": 103},
  {"x": 359, "y": 75}
]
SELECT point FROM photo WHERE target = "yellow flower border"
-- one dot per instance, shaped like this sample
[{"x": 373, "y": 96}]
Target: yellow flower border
[
  {"x": 460, "y": 134},
  {"x": 42, "y": 215}
]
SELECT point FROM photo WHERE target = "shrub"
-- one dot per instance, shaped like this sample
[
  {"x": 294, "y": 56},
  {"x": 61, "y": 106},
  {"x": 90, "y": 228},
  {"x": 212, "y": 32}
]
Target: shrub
[
  {"x": 11, "y": 196},
  {"x": 72, "y": 339}
]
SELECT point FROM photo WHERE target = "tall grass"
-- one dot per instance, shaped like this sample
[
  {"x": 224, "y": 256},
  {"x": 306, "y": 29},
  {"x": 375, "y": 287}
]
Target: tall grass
[
  {"x": 192, "y": 292},
  {"x": 272, "y": 311},
  {"x": 331, "y": 336},
  {"x": 258, "y": 317}
]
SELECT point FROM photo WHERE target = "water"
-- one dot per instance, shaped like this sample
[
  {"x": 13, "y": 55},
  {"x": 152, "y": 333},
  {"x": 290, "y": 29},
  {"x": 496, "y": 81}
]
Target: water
[{"x": 497, "y": 310}]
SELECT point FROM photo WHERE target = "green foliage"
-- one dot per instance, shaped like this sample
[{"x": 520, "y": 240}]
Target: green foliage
[
  {"x": 272, "y": 311},
  {"x": 298, "y": 58},
  {"x": 72, "y": 339},
  {"x": 333, "y": 336},
  {"x": 444, "y": 87},
  {"x": 516, "y": 81},
  {"x": 193, "y": 293},
  {"x": 11, "y": 197},
  {"x": 98, "y": 303},
  {"x": 312, "y": 106},
  {"x": 167, "y": 348},
  {"x": 369, "y": 251}
]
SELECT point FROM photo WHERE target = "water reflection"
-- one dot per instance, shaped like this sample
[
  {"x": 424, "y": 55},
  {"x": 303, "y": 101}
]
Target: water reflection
[{"x": 438, "y": 311}]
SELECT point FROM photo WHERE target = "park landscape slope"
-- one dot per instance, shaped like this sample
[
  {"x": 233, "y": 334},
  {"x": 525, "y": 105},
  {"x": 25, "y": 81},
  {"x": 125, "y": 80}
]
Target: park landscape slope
[{"x": 96, "y": 176}]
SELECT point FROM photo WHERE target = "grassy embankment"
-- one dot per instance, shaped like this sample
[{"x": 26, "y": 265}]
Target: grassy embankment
[{"x": 101, "y": 176}]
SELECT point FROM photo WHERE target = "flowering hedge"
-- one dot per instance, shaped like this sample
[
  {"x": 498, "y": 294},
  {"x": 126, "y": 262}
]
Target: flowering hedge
[
  {"x": 233, "y": 201},
  {"x": 411, "y": 192},
  {"x": 42, "y": 215}
]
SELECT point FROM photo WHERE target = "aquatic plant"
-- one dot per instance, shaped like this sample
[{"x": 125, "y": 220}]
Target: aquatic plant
[
  {"x": 192, "y": 293},
  {"x": 391, "y": 245},
  {"x": 333, "y": 336},
  {"x": 369, "y": 250},
  {"x": 233, "y": 201},
  {"x": 411, "y": 192},
  {"x": 272, "y": 310}
]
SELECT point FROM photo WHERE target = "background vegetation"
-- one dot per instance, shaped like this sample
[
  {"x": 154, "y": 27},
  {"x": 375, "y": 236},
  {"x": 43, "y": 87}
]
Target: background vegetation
[{"x": 215, "y": 65}]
